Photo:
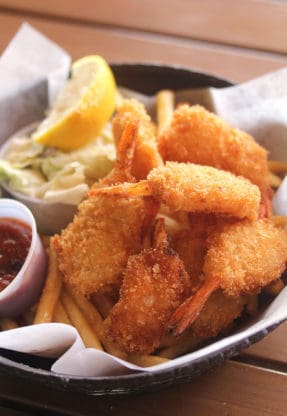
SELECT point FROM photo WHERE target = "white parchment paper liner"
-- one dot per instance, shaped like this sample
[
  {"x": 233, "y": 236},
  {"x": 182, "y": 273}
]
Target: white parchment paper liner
[{"x": 31, "y": 71}]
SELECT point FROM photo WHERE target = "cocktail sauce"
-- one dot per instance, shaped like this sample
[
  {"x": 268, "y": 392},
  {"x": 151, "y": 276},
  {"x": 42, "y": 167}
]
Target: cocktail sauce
[{"x": 15, "y": 241}]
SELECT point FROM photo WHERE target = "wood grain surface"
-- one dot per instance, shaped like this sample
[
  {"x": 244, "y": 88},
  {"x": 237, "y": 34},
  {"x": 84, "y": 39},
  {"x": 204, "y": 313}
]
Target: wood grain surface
[
  {"x": 123, "y": 46},
  {"x": 247, "y": 23},
  {"x": 233, "y": 389},
  {"x": 272, "y": 347}
]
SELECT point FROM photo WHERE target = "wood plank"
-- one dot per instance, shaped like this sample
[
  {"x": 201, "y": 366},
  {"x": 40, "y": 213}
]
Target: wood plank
[
  {"x": 232, "y": 389},
  {"x": 248, "y": 23},
  {"x": 272, "y": 347},
  {"x": 122, "y": 46}
]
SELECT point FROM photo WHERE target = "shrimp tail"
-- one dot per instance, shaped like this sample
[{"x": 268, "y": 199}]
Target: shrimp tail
[
  {"x": 189, "y": 310},
  {"x": 141, "y": 188}
]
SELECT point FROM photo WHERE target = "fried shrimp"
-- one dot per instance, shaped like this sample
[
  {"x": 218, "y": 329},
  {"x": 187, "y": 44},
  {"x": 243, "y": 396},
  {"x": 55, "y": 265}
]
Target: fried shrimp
[
  {"x": 155, "y": 283},
  {"x": 146, "y": 153},
  {"x": 261, "y": 255},
  {"x": 201, "y": 137},
  {"x": 199, "y": 189},
  {"x": 218, "y": 313},
  {"x": 122, "y": 170},
  {"x": 93, "y": 250},
  {"x": 242, "y": 258}
]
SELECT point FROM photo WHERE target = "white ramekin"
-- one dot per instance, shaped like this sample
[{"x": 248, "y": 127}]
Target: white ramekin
[{"x": 26, "y": 287}]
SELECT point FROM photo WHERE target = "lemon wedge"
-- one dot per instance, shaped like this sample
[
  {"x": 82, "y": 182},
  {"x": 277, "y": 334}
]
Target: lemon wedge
[{"x": 82, "y": 108}]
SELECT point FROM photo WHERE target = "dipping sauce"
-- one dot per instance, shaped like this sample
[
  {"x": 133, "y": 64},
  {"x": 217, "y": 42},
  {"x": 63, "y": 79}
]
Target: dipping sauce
[{"x": 15, "y": 241}]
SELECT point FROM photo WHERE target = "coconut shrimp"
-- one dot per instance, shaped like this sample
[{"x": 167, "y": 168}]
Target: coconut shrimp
[
  {"x": 155, "y": 283},
  {"x": 241, "y": 259},
  {"x": 146, "y": 153},
  {"x": 199, "y": 189},
  {"x": 93, "y": 250},
  {"x": 198, "y": 136}
]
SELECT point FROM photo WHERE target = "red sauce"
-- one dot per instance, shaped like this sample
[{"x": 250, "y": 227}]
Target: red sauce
[{"x": 15, "y": 241}]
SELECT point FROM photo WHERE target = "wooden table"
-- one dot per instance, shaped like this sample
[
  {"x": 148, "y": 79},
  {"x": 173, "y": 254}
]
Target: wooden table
[{"x": 236, "y": 40}]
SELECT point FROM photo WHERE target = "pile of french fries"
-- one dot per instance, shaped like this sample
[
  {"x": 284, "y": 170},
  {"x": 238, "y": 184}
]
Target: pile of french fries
[{"x": 58, "y": 302}]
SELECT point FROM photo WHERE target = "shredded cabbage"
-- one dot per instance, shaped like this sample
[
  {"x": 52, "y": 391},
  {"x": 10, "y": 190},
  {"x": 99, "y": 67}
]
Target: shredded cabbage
[{"x": 53, "y": 175}]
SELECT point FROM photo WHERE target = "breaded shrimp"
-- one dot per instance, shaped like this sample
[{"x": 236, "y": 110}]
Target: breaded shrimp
[
  {"x": 122, "y": 170},
  {"x": 93, "y": 250},
  {"x": 201, "y": 137},
  {"x": 241, "y": 259},
  {"x": 155, "y": 283},
  {"x": 130, "y": 111},
  {"x": 146, "y": 153},
  {"x": 216, "y": 317},
  {"x": 261, "y": 255},
  {"x": 195, "y": 188},
  {"x": 218, "y": 313}
]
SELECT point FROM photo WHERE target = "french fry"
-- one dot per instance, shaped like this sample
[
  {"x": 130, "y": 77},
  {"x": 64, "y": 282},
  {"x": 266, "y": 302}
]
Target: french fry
[
  {"x": 6, "y": 324},
  {"x": 274, "y": 180},
  {"x": 60, "y": 314},
  {"x": 79, "y": 321},
  {"x": 277, "y": 167},
  {"x": 279, "y": 221},
  {"x": 146, "y": 360},
  {"x": 164, "y": 108},
  {"x": 275, "y": 287},
  {"x": 50, "y": 293},
  {"x": 95, "y": 319}
]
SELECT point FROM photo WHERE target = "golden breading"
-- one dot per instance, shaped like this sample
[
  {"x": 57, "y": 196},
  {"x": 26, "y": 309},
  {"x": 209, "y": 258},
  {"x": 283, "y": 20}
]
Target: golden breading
[
  {"x": 191, "y": 251},
  {"x": 241, "y": 259},
  {"x": 93, "y": 250},
  {"x": 195, "y": 188},
  {"x": 201, "y": 137},
  {"x": 130, "y": 111},
  {"x": 155, "y": 283},
  {"x": 122, "y": 170},
  {"x": 246, "y": 256},
  {"x": 146, "y": 153},
  {"x": 218, "y": 314}
]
